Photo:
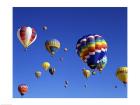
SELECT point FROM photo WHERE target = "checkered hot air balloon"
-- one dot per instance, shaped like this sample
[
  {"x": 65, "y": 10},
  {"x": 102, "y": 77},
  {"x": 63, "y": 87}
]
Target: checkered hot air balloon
[
  {"x": 26, "y": 36},
  {"x": 92, "y": 50}
]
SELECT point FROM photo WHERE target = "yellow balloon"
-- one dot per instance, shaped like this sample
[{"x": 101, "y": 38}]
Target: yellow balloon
[
  {"x": 46, "y": 65},
  {"x": 121, "y": 74},
  {"x": 38, "y": 74},
  {"x": 86, "y": 73}
]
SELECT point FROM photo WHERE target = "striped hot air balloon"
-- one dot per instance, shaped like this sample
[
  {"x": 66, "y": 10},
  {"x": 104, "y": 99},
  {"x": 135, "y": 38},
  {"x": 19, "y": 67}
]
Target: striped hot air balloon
[
  {"x": 91, "y": 49},
  {"x": 52, "y": 46},
  {"x": 26, "y": 36}
]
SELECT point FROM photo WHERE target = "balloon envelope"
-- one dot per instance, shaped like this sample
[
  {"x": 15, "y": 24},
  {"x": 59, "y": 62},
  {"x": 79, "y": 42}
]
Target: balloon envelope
[
  {"x": 38, "y": 74},
  {"x": 45, "y": 27},
  {"x": 121, "y": 74},
  {"x": 52, "y": 46},
  {"x": 26, "y": 36},
  {"x": 65, "y": 49},
  {"x": 86, "y": 73},
  {"x": 52, "y": 71},
  {"x": 91, "y": 49},
  {"x": 23, "y": 88},
  {"x": 46, "y": 65}
]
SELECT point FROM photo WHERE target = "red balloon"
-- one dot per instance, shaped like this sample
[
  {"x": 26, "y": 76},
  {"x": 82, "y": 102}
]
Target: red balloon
[{"x": 22, "y": 88}]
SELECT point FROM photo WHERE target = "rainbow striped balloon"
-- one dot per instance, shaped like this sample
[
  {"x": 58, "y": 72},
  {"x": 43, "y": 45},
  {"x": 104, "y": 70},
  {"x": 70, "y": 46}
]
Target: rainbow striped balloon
[{"x": 91, "y": 49}]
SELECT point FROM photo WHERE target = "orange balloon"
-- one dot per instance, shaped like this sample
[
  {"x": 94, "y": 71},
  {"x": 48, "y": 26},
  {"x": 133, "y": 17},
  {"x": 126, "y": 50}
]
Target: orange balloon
[{"x": 22, "y": 88}]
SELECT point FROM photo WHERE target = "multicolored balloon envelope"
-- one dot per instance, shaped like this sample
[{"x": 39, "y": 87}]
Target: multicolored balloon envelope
[
  {"x": 92, "y": 50},
  {"x": 26, "y": 36},
  {"x": 52, "y": 46},
  {"x": 22, "y": 88}
]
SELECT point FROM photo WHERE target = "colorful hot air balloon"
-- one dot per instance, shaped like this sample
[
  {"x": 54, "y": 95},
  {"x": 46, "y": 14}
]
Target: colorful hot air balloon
[
  {"x": 52, "y": 46},
  {"x": 38, "y": 74},
  {"x": 22, "y": 88},
  {"x": 86, "y": 73},
  {"x": 51, "y": 70},
  {"x": 26, "y": 36},
  {"x": 91, "y": 49},
  {"x": 121, "y": 74},
  {"x": 46, "y": 65}
]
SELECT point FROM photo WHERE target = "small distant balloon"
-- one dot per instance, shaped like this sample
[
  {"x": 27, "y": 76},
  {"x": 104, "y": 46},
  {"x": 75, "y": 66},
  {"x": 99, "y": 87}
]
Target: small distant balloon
[
  {"x": 121, "y": 74},
  {"x": 86, "y": 73},
  {"x": 22, "y": 88},
  {"x": 46, "y": 65},
  {"x": 66, "y": 82},
  {"x": 45, "y": 27},
  {"x": 51, "y": 70},
  {"x": 38, "y": 74},
  {"x": 65, "y": 49}
]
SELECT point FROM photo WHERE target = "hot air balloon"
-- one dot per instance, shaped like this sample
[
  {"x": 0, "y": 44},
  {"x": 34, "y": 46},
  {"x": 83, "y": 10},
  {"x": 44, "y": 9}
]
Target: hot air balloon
[
  {"x": 46, "y": 65},
  {"x": 86, "y": 73},
  {"x": 91, "y": 49},
  {"x": 26, "y": 36},
  {"x": 52, "y": 46},
  {"x": 45, "y": 27},
  {"x": 38, "y": 74},
  {"x": 65, "y": 49},
  {"x": 22, "y": 88},
  {"x": 66, "y": 82},
  {"x": 51, "y": 70},
  {"x": 121, "y": 74}
]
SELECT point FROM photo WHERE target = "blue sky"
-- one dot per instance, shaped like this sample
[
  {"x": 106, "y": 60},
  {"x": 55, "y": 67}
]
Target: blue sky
[{"x": 68, "y": 25}]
